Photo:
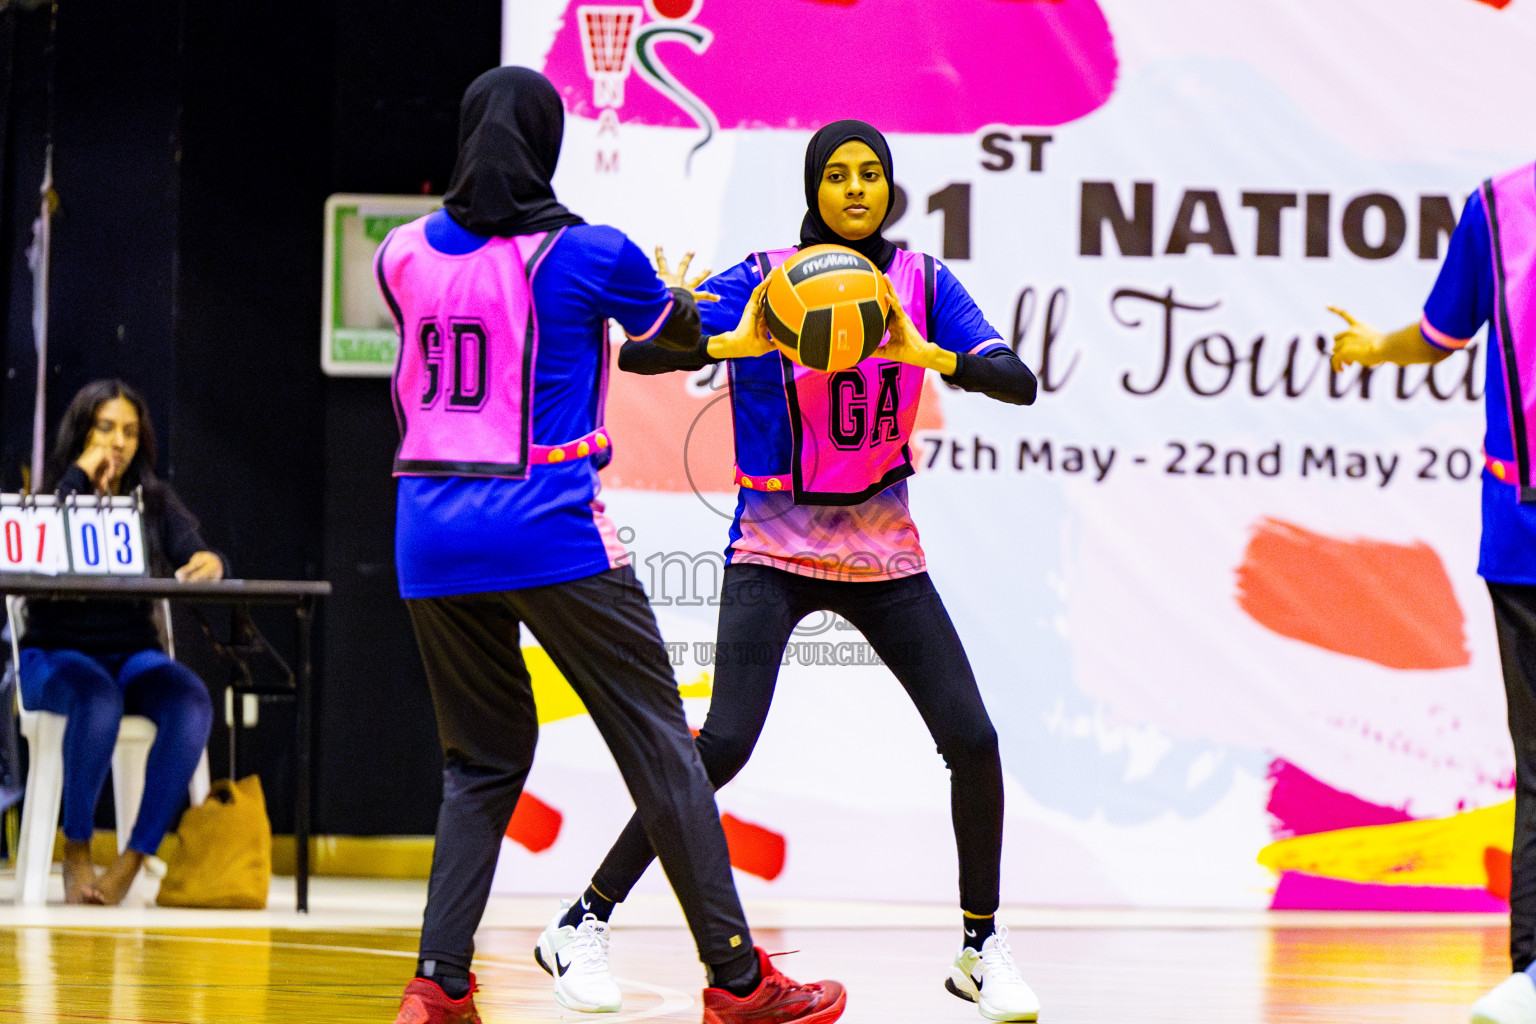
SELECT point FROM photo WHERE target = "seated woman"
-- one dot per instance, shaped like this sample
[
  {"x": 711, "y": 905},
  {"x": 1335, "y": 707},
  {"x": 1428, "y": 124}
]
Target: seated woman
[{"x": 94, "y": 661}]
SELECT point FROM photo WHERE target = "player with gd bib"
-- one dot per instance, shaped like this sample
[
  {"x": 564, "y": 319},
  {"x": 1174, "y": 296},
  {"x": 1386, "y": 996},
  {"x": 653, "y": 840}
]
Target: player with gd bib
[
  {"x": 502, "y": 300},
  {"x": 822, "y": 524}
]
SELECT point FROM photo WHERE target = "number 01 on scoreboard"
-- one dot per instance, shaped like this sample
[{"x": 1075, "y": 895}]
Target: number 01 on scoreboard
[{"x": 82, "y": 534}]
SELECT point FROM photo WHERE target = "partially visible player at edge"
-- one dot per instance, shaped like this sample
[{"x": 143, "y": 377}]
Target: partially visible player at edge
[
  {"x": 1489, "y": 276},
  {"x": 499, "y": 525},
  {"x": 822, "y": 524}
]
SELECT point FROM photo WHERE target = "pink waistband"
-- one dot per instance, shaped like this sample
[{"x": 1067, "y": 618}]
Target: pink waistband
[
  {"x": 543, "y": 454},
  {"x": 763, "y": 483},
  {"x": 1504, "y": 470}
]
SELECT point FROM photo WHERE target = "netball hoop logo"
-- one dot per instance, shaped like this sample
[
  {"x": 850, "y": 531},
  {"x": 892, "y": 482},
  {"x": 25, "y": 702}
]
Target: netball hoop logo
[
  {"x": 613, "y": 40},
  {"x": 607, "y": 48}
]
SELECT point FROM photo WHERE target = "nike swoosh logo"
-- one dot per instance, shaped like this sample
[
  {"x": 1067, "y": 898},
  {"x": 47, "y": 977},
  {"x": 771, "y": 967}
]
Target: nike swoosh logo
[
  {"x": 974, "y": 980},
  {"x": 970, "y": 933},
  {"x": 584, "y": 904},
  {"x": 561, "y": 968}
]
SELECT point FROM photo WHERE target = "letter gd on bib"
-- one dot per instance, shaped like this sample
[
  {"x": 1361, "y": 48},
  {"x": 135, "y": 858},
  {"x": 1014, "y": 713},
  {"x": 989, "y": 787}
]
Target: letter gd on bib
[{"x": 826, "y": 307}]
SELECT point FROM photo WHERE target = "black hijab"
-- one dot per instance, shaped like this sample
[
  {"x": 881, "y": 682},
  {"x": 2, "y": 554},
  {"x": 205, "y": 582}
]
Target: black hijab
[
  {"x": 511, "y": 123},
  {"x": 814, "y": 230}
]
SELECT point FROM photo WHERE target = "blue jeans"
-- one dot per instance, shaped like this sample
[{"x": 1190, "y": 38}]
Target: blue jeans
[{"x": 94, "y": 691}]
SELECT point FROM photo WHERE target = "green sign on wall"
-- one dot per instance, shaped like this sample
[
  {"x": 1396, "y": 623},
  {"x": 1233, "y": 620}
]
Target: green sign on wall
[{"x": 357, "y": 332}]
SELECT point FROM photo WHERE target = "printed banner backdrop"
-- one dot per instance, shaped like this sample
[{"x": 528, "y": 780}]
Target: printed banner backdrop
[{"x": 1222, "y": 603}]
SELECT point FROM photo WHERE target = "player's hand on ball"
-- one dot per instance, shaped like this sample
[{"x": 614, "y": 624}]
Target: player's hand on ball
[
  {"x": 203, "y": 565},
  {"x": 680, "y": 278},
  {"x": 1358, "y": 343},
  {"x": 750, "y": 337},
  {"x": 906, "y": 343}
]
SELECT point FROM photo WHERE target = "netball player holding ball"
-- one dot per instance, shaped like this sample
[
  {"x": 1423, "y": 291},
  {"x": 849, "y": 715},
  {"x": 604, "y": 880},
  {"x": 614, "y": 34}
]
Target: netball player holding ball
[{"x": 822, "y": 524}]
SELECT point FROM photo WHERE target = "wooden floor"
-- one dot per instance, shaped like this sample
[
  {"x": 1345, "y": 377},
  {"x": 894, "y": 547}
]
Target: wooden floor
[{"x": 1084, "y": 975}]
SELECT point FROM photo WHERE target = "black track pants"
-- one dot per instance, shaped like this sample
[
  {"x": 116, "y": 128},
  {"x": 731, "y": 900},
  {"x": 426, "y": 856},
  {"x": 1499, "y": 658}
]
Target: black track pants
[
  {"x": 1514, "y": 615},
  {"x": 600, "y": 633}
]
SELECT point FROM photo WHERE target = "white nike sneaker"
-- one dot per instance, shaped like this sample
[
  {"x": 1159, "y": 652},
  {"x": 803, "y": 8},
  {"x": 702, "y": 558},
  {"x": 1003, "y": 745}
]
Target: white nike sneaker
[
  {"x": 1512, "y": 1001},
  {"x": 577, "y": 958},
  {"x": 991, "y": 980}
]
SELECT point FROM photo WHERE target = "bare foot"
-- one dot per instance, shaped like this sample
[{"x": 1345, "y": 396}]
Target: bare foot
[
  {"x": 79, "y": 874},
  {"x": 117, "y": 879}
]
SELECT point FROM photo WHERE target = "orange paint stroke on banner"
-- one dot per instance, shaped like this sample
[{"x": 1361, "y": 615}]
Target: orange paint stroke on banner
[
  {"x": 1497, "y": 865},
  {"x": 754, "y": 849},
  {"x": 1388, "y": 603},
  {"x": 534, "y": 823},
  {"x": 663, "y": 434}
]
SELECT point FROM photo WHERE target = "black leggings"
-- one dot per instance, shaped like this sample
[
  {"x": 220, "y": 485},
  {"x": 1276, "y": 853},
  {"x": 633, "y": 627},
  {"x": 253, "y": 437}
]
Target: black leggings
[
  {"x": 1514, "y": 616},
  {"x": 906, "y": 623}
]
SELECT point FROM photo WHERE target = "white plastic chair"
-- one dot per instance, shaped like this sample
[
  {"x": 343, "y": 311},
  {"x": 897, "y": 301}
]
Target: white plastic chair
[{"x": 44, "y": 731}]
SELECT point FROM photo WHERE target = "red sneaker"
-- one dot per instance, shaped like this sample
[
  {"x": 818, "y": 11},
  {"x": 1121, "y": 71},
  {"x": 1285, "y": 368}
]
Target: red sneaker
[
  {"x": 778, "y": 1000},
  {"x": 425, "y": 1002}
]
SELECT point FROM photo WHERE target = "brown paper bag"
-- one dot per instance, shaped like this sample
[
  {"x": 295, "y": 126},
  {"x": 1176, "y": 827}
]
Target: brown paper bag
[{"x": 222, "y": 856}]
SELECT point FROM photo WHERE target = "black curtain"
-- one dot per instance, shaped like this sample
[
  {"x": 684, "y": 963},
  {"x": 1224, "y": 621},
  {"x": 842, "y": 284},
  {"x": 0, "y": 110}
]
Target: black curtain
[{"x": 195, "y": 144}]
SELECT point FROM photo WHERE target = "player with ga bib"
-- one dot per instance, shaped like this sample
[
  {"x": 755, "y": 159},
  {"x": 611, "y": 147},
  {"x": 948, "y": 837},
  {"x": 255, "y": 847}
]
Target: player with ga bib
[
  {"x": 502, "y": 301},
  {"x": 822, "y": 524}
]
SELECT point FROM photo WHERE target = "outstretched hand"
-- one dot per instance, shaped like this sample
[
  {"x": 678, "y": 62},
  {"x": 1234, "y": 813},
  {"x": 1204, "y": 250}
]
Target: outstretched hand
[
  {"x": 750, "y": 337},
  {"x": 1358, "y": 343},
  {"x": 680, "y": 279}
]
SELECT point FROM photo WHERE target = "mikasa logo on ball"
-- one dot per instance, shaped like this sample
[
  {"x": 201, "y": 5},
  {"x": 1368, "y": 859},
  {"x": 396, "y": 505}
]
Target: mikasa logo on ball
[{"x": 825, "y": 264}]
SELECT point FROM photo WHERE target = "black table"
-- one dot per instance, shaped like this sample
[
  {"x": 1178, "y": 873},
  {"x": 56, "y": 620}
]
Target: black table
[{"x": 302, "y": 594}]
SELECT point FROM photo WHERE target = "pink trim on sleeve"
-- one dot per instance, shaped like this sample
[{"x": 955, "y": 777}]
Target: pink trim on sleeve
[
  {"x": 1439, "y": 338},
  {"x": 987, "y": 345},
  {"x": 648, "y": 335}
]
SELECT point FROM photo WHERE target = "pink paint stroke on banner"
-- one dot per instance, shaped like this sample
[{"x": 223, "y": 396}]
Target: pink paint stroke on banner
[
  {"x": 1300, "y": 805},
  {"x": 1300, "y": 891},
  {"x": 906, "y": 66}
]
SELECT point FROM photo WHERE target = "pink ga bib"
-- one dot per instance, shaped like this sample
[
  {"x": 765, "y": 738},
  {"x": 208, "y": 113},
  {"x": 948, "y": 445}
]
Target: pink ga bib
[{"x": 850, "y": 428}]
